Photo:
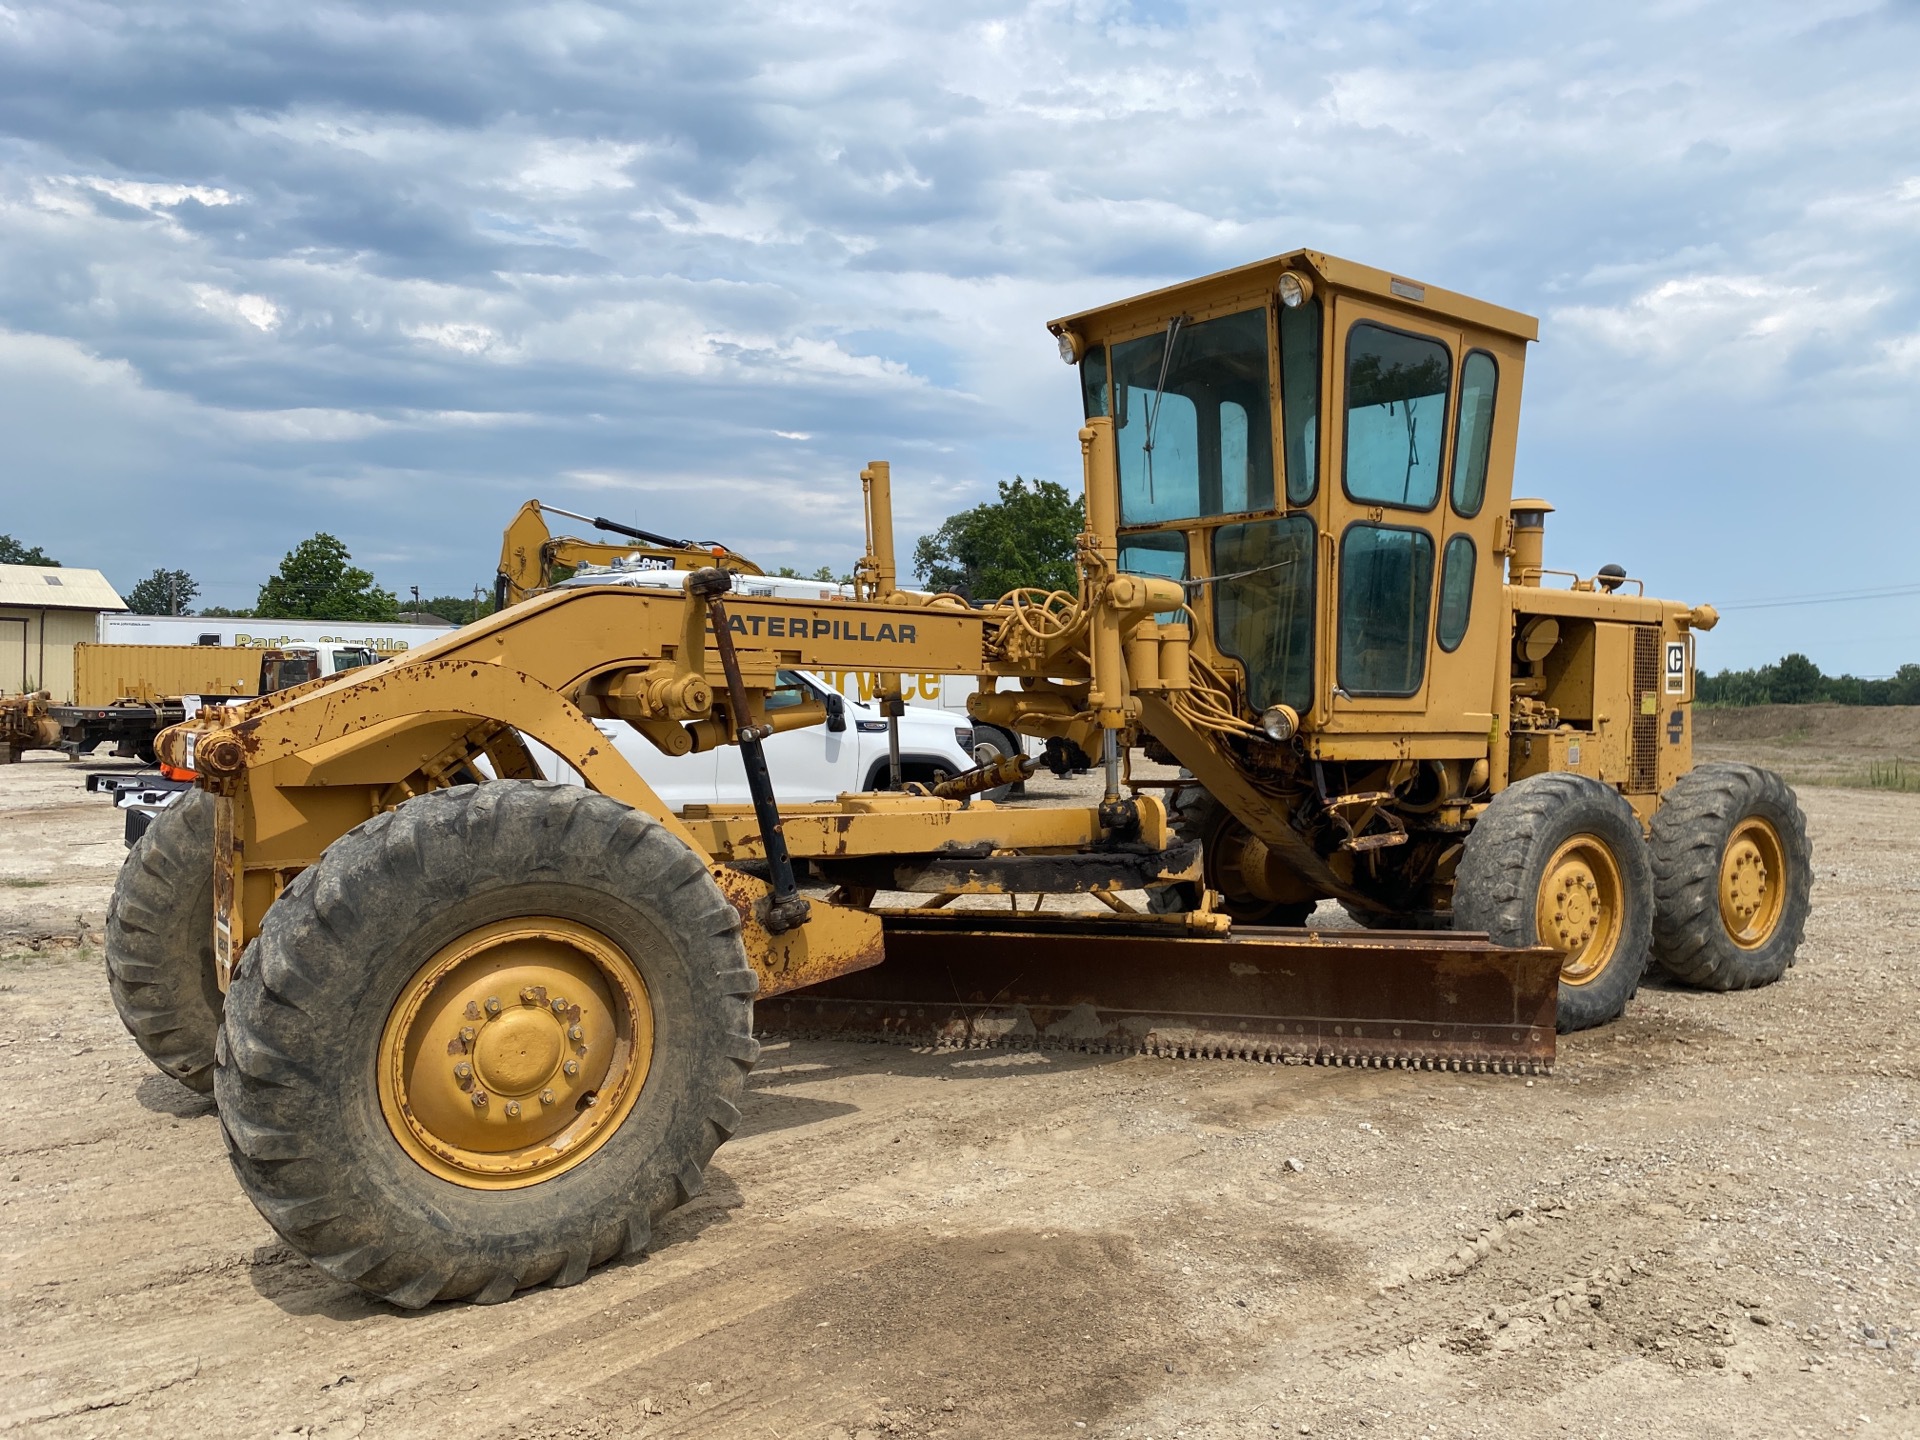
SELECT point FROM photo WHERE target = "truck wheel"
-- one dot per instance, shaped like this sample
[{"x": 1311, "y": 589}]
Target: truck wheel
[
  {"x": 1732, "y": 878},
  {"x": 160, "y": 942},
  {"x": 486, "y": 1041},
  {"x": 1558, "y": 860},
  {"x": 991, "y": 746}
]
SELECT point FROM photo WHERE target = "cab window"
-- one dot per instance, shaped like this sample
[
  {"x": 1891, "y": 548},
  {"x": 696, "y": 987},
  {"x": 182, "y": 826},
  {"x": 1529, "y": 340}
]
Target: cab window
[
  {"x": 1162, "y": 553},
  {"x": 1456, "y": 593},
  {"x": 788, "y": 691},
  {"x": 1396, "y": 416},
  {"x": 1300, "y": 397},
  {"x": 1386, "y": 594},
  {"x": 1191, "y": 406},
  {"x": 1478, "y": 377},
  {"x": 1263, "y": 607}
]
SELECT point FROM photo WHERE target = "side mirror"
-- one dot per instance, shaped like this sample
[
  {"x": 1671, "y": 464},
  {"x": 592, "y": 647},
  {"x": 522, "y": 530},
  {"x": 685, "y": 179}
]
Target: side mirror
[{"x": 836, "y": 712}]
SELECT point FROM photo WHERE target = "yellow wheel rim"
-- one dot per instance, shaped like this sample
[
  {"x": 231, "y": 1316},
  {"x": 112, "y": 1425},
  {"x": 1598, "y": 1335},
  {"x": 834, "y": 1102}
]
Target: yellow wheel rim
[
  {"x": 1753, "y": 889},
  {"x": 1578, "y": 910},
  {"x": 515, "y": 1053}
]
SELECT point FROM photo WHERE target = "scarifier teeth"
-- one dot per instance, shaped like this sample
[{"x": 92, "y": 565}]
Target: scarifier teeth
[{"x": 1267, "y": 1054}]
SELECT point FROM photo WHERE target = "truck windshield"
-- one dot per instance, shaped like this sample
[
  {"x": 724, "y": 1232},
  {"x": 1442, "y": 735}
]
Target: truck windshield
[{"x": 1193, "y": 424}]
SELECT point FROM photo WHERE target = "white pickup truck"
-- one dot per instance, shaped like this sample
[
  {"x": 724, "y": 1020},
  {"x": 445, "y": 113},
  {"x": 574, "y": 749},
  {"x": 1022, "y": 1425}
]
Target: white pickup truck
[{"x": 817, "y": 762}]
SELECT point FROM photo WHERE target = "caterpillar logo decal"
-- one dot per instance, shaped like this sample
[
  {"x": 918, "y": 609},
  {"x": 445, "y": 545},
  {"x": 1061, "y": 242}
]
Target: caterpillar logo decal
[{"x": 799, "y": 627}]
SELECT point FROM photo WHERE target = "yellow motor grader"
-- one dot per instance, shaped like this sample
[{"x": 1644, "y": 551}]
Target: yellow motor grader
[{"x": 472, "y": 1027}]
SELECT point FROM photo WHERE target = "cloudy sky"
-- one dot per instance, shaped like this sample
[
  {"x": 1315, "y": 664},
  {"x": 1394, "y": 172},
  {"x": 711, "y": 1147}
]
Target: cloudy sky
[{"x": 389, "y": 270}]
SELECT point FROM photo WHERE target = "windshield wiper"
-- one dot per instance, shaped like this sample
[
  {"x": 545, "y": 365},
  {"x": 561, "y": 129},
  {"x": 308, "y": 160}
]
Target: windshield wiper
[{"x": 1159, "y": 394}]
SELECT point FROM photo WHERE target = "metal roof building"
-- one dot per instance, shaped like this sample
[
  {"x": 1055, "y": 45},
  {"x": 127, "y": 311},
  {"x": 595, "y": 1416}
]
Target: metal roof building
[{"x": 44, "y": 612}]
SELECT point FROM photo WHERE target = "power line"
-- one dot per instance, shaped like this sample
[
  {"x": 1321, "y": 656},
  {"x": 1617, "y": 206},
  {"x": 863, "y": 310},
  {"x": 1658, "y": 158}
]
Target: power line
[{"x": 1828, "y": 597}]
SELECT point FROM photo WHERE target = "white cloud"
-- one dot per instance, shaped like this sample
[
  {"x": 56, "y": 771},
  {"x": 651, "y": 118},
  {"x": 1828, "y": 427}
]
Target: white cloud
[
  {"x": 255, "y": 310},
  {"x": 460, "y": 337}
]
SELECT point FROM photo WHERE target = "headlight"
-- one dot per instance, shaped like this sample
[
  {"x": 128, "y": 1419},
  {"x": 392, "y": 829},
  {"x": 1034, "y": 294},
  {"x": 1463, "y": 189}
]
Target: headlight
[
  {"x": 1069, "y": 347},
  {"x": 1295, "y": 289},
  {"x": 1279, "y": 721}
]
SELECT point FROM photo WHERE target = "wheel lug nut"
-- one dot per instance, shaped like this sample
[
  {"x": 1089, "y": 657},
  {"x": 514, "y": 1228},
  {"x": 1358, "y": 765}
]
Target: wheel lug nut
[
  {"x": 529, "y": 996},
  {"x": 575, "y": 1032},
  {"x": 546, "y": 1097},
  {"x": 559, "y": 1006},
  {"x": 572, "y": 1067},
  {"x": 463, "y": 1071},
  {"x": 513, "y": 1109},
  {"x": 493, "y": 1005},
  {"x": 467, "y": 1032},
  {"x": 479, "y": 1099}
]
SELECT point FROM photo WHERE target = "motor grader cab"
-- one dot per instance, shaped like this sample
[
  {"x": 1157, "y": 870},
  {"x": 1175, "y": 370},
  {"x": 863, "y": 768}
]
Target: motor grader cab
[
  {"x": 532, "y": 557},
  {"x": 476, "y": 1030}
]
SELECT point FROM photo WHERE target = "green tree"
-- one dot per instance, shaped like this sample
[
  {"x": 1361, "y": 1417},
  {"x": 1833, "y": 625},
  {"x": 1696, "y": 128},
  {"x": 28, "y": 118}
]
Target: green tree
[
  {"x": 316, "y": 582},
  {"x": 824, "y": 575},
  {"x": 1796, "y": 680},
  {"x": 12, "y": 552},
  {"x": 1025, "y": 538},
  {"x": 164, "y": 592},
  {"x": 222, "y": 612},
  {"x": 460, "y": 609},
  {"x": 1904, "y": 687}
]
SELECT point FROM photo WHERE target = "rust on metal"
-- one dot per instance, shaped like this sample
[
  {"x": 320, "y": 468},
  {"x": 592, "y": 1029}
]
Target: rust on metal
[
  {"x": 1375, "y": 998},
  {"x": 835, "y": 940}
]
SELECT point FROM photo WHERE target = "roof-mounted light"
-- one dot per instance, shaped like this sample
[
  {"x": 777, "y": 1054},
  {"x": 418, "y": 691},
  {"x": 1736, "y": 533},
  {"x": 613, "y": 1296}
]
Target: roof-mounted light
[
  {"x": 1295, "y": 289},
  {"x": 1070, "y": 346}
]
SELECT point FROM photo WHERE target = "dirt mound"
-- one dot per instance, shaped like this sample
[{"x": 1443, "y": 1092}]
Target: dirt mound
[{"x": 1884, "y": 729}]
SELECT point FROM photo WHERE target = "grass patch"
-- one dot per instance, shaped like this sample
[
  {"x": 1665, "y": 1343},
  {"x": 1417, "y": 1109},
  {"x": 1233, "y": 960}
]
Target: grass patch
[
  {"x": 1898, "y": 775},
  {"x": 16, "y": 884}
]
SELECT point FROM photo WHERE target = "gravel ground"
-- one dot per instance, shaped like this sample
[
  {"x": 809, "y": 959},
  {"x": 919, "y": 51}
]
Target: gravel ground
[{"x": 1703, "y": 1224}]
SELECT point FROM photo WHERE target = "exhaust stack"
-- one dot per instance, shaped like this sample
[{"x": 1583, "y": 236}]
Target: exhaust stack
[{"x": 1525, "y": 560}]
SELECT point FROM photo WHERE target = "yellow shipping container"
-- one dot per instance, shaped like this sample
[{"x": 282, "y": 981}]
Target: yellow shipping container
[{"x": 103, "y": 674}]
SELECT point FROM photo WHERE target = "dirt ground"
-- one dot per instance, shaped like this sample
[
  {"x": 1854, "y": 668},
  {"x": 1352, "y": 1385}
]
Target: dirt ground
[{"x": 1703, "y": 1224}]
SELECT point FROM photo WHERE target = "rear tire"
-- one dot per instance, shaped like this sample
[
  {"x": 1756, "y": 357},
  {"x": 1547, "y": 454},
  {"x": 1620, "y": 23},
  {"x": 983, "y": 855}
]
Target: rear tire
[
  {"x": 1563, "y": 854},
  {"x": 1733, "y": 878},
  {"x": 356, "y": 1034},
  {"x": 160, "y": 942}
]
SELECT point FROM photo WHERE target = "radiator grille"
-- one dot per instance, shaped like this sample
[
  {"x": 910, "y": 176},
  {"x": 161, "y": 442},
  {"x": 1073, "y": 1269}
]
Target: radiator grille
[{"x": 1643, "y": 748}]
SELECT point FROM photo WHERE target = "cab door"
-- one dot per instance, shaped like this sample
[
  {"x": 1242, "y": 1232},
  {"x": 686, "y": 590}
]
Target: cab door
[{"x": 1392, "y": 384}]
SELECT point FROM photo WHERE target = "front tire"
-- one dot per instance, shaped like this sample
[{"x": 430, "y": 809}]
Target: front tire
[
  {"x": 1559, "y": 860},
  {"x": 1197, "y": 815},
  {"x": 1733, "y": 878},
  {"x": 486, "y": 1041},
  {"x": 160, "y": 942}
]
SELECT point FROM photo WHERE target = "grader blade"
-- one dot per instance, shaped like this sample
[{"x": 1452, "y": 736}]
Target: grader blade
[{"x": 1363, "y": 998}]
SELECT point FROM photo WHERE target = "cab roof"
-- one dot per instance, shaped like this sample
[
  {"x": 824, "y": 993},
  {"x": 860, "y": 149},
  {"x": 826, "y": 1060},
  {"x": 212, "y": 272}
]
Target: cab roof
[{"x": 1328, "y": 272}]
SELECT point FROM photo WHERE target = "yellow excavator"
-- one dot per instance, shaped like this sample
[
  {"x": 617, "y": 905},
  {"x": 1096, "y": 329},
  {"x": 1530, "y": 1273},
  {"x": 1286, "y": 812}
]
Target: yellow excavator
[
  {"x": 471, "y": 1030},
  {"x": 533, "y": 558}
]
